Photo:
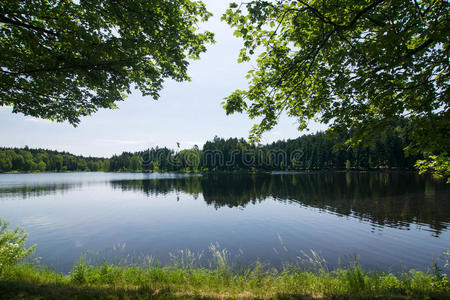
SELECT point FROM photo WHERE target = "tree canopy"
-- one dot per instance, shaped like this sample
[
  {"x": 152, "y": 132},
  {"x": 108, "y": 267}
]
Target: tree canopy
[
  {"x": 61, "y": 60},
  {"x": 360, "y": 64}
]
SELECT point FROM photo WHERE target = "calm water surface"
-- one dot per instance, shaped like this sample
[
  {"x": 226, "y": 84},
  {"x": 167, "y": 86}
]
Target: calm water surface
[{"x": 390, "y": 221}]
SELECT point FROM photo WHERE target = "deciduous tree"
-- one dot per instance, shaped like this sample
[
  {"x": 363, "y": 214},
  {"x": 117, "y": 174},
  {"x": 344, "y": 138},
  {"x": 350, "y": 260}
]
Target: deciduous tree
[
  {"x": 361, "y": 64},
  {"x": 61, "y": 60}
]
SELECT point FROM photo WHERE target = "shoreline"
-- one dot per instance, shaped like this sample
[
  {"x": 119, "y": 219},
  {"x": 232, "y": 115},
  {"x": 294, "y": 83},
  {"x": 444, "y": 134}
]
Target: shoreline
[
  {"x": 218, "y": 282},
  {"x": 306, "y": 171}
]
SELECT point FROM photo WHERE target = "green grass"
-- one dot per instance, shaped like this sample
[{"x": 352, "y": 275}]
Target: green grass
[
  {"x": 107, "y": 281},
  {"x": 185, "y": 278}
]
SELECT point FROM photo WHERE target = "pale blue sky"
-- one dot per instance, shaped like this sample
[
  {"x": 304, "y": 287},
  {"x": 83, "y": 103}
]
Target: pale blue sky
[{"x": 189, "y": 112}]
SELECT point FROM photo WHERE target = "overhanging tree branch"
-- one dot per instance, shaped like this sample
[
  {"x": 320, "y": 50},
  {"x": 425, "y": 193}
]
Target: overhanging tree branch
[{"x": 6, "y": 20}]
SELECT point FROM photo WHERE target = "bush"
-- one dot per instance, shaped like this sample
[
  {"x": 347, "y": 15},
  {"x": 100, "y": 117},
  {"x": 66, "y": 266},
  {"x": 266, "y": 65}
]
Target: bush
[
  {"x": 79, "y": 273},
  {"x": 12, "y": 246}
]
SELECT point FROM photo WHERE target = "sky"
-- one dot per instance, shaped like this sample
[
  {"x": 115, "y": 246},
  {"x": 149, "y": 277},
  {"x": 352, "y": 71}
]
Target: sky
[{"x": 189, "y": 113}]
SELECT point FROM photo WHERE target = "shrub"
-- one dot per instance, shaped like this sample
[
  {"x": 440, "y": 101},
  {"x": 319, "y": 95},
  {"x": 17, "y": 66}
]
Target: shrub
[
  {"x": 79, "y": 273},
  {"x": 12, "y": 246}
]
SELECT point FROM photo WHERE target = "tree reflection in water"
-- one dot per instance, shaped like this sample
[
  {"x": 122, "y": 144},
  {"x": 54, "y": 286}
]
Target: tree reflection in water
[{"x": 393, "y": 199}]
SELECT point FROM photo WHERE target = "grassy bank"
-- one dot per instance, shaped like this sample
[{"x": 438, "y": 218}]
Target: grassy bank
[
  {"x": 187, "y": 278},
  {"x": 108, "y": 281}
]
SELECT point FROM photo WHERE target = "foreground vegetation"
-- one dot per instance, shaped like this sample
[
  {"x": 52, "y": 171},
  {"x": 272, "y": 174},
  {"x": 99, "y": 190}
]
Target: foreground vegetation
[
  {"x": 256, "y": 282},
  {"x": 184, "y": 278}
]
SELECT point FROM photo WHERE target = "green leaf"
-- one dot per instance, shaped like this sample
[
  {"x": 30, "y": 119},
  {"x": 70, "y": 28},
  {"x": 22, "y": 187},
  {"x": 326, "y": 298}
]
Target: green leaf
[{"x": 66, "y": 59}]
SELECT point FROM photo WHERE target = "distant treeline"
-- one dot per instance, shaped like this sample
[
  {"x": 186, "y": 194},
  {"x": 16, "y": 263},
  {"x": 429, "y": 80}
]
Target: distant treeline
[
  {"x": 309, "y": 152},
  {"x": 32, "y": 160}
]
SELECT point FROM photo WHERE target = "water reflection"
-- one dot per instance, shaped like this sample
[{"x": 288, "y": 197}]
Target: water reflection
[
  {"x": 383, "y": 198},
  {"x": 155, "y": 187},
  {"x": 68, "y": 213},
  {"x": 30, "y": 191},
  {"x": 390, "y": 199}
]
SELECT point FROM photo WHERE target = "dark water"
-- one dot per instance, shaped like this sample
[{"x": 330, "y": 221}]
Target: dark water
[{"x": 390, "y": 221}]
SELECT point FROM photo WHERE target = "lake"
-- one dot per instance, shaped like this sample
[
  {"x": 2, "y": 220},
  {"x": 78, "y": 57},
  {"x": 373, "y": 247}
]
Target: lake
[{"x": 389, "y": 221}]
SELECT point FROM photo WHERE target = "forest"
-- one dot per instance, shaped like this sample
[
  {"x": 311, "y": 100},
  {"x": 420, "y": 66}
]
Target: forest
[
  {"x": 317, "y": 151},
  {"x": 42, "y": 160}
]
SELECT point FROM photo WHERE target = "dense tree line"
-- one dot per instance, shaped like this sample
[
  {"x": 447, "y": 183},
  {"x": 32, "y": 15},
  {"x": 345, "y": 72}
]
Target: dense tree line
[
  {"x": 309, "y": 152},
  {"x": 158, "y": 160},
  {"x": 32, "y": 160}
]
